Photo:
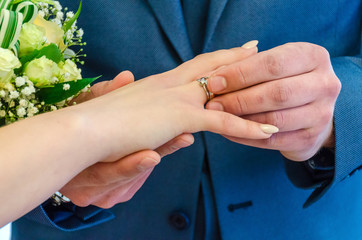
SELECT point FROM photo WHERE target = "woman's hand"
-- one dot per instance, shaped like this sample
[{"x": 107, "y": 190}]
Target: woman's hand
[
  {"x": 150, "y": 112},
  {"x": 106, "y": 184}
]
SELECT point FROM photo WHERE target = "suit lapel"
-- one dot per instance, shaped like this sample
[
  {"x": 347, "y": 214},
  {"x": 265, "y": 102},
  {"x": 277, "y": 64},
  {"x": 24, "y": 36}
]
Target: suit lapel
[
  {"x": 170, "y": 17},
  {"x": 216, "y": 8}
]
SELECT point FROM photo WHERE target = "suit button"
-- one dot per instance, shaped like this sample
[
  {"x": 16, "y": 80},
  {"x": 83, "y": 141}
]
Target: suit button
[{"x": 179, "y": 220}]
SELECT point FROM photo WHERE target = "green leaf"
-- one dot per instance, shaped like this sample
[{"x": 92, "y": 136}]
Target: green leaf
[
  {"x": 52, "y": 52},
  {"x": 56, "y": 93},
  {"x": 2, "y": 122},
  {"x": 69, "y": 24}
]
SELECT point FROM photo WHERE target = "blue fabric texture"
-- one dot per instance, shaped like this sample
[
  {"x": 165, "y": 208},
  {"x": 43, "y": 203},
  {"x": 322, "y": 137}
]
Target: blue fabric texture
[{"x": 253, "y": 197}]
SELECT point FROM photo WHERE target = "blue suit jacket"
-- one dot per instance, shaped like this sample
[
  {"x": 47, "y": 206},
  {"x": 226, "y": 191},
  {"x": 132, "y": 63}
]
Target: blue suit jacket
[{"x": 247, "y": 191}]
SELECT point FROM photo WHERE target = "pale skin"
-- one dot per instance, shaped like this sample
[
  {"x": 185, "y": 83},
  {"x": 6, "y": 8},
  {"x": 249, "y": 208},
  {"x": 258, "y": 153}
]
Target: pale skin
[
  {"x": 272, "y": 102},
  {"x": 293, "y": 87},
  {"x": 105, "y": 184},
  {"x": 53, "y": 148}
]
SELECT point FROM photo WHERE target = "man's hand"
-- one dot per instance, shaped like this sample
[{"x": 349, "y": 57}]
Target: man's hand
[
  {"x": 293, "y": 87},
  {"x": 106, "y": 184}
]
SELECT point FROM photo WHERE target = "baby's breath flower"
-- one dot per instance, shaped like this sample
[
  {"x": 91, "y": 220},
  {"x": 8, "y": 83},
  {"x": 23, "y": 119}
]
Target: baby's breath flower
[
  {"x": 21, "y": 112},
  {"x": 54, "y": 80},
  {"x": 28, "y": 82},
  {"x": 70, "y": 14},
  {"x": 57, "y": 21},
  {"x": 80, "y": 33},
  {"x": 69, "y": 35},
  {"x": 27, "y": 91},
  {"x": 57, "y": 6},
  {"x": 19, "y": 81},
  {"x": 23, "y": 103},
  {"x": 14, "y": 94},
  {"x": 66, "y": 87},
  {"x": 60, "y": 15},
  {"x": 32, "y": 111}
]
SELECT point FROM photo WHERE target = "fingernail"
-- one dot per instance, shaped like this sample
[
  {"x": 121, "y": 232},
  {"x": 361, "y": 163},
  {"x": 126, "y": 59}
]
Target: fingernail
[
  {"x": 217, "y": 83},
  {"x": 250, "y": 44},
  {"x": 147, "y": 163},
  {"x": 269, "y": 129},
  {"x": 215, "y": 106}
]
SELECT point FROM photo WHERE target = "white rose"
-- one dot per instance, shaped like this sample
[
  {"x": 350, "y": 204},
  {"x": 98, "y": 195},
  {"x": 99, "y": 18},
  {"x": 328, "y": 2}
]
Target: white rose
[
  {"x": 31, "y": 37},
  {"x": 41, "y": 71},
  {"x": 53, "y": 32},
  {"x": 8, "y": 62},
  {"x": 69, "y": 71}
]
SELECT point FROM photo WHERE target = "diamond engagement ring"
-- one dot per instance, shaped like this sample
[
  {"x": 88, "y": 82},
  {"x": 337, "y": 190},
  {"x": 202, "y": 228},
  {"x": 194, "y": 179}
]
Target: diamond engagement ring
[{"x": 203, "y": 83}]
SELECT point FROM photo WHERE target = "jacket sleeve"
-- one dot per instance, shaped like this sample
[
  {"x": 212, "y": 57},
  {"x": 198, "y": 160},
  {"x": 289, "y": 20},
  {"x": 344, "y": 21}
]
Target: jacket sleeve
[
  {"x": 332, "y": 167},
  {"x": 69, "y": 217}
]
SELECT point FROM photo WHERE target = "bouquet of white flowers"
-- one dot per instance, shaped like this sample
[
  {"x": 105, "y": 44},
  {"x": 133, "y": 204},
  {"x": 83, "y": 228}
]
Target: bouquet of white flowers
[{"x": 38, "y": 70}]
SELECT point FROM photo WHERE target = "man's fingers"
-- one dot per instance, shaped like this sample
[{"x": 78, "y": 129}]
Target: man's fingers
[
  {"x": 292, "y": 119},
  {"x": 102, "y": 195},
  {"x": 275, "y": 95},
  {"x": 132, "y": 166},
  {"x": 105, "y": 87},
  {"x": 181, "y": 141},
  {"x": 292, "y": 141},
  {"x": 121, "y": 194},
  {"x": 208, "y": 62},
  {"x": 280, "y": 62},
  {"x": 122, "y": 79},
  {"x": 125, "y": 169}
]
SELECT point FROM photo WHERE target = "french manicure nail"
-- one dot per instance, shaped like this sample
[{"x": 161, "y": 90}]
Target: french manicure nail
[
  {"x": 147, "y": 163},
  {"x": 269, "y": 129},
  {"x": 250, "y": 44},
  {"x": 218, "y": 83}
]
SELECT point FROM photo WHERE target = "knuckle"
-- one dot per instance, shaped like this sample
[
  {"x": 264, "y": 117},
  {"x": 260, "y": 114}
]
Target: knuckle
[
  {"x": 106, "y": 204},
  {"x": 277, "y": 118},
  {"x": 321, "y": 54},
  {"x": 240, "y": 76},
  {"x": 242, "y": 105},
  {"x": 333, "y": 86},
  {"x": 274, "y": 64},
  {"x": 83, "y": 200},
  {"x": 308, "y": 139},
  {"x": 217, "y": 57},
  {"x": 226, "y": 122},
  {"x": 127, "y": 197},
  {"x": 326, "y": 115},
  {"x": 281, "y": 93}
]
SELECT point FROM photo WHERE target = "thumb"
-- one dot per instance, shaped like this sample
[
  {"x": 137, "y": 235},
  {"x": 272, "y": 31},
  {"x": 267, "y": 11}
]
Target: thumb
[
  {"x": 122, "y": 79},
  {"x": 105, "y": 87}
]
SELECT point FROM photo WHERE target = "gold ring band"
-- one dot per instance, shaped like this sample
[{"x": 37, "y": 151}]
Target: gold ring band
[{"x": 203, "y": 83}]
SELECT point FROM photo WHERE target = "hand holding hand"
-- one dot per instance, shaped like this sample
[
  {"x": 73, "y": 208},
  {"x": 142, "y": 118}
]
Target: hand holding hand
[
  {"x": 293, "y": 87},
  {"x": 149, "y": 112},
  {"x": 106, "y": 184}
]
